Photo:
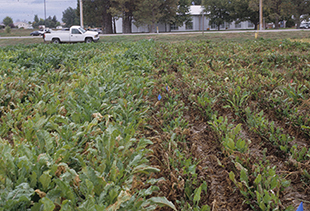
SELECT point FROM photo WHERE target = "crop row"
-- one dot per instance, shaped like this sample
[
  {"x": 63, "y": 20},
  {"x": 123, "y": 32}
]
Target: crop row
[
  {"x": 125, "y": 127},
  {"x": 248, "y": 84}
]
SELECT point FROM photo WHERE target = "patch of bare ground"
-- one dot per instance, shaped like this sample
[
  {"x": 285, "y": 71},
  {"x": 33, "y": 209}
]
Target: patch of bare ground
[{"x": 222, "y": 192}]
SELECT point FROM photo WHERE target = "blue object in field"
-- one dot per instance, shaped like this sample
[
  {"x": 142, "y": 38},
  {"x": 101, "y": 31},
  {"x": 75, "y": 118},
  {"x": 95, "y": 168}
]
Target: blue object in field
[
  {"x": 300, "y": 207},
  {"x": 159, "y": 97},
  {"x": 167, "y": 88}
]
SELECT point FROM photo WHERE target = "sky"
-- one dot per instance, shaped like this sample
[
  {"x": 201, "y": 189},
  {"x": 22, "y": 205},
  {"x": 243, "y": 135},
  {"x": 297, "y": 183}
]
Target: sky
[{"x": 20, "y": 10}]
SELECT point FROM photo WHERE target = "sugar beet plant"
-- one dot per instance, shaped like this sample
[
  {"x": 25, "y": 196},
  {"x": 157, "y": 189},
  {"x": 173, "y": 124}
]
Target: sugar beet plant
[
  {"x": 70, "y": 119},
  {"x": 141, "y": 125},
  {"x": 252, "y": 95}
]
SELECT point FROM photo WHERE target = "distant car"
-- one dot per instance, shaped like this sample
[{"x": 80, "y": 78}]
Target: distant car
[
  {"x": 42, "y": 31},
  {"x": 99, "y": 31},
  {"x": 96, "y": 30},
  {"x": 36, "y": 33},
  {"x": 304, "y": 26}
]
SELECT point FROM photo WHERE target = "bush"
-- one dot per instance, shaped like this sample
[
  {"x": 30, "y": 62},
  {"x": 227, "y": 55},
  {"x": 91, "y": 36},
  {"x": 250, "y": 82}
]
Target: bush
[
  {"x": 12, "y": 25},
  {"x": 7, "y": 29}
]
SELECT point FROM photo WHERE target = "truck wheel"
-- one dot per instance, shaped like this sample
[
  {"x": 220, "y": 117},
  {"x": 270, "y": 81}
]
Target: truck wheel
[
  {"x": 88, "y": 40},
  {"x": 56, "y": 41}
]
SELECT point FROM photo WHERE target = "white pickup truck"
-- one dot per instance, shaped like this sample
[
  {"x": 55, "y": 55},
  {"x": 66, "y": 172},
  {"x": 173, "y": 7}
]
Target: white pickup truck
[{"x": 74, "y": 34}]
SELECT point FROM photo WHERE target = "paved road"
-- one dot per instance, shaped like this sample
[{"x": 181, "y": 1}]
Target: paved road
[
  {"x": 167, "y": 33},
  {"x": 22, "y": 37},
  {"x": 210, "y": 32}
]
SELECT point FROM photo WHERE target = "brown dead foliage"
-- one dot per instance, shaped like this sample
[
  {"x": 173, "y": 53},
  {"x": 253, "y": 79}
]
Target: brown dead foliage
[
  {"x": 40, "y": 193},
  {"x": 9, "y": 138},
  {"x": 60, "y": 170},
  {"x": 214, "y": 167}
]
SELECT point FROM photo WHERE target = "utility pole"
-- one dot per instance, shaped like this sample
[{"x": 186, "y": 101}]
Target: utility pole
[
  {"x": 203, "y": 15},
  {"x": 203, "y": 21},
  {"x": 260, "y": 14},
  {"x": 81, "y": 14},
  {"x": 44, "y": 11}
]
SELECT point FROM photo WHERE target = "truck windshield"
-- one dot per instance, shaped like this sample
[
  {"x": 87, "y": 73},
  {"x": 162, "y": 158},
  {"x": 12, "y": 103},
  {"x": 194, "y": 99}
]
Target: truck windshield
[{"x": 82, "y": 30}]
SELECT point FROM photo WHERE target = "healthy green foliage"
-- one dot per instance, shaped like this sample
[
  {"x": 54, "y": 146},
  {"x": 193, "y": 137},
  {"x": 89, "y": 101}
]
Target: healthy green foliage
[
  {"x": 229, "y": 135},
  {"x": 70, "y": 17},
  {"x": 7, "y": 29},
  {"x": 7, "y": 21},
  {"x": 265, "y": 188},
  {"x": 218, "y": 11},
  {"x": 268, "y": 130},
  {"x": 73, "y": 114}
]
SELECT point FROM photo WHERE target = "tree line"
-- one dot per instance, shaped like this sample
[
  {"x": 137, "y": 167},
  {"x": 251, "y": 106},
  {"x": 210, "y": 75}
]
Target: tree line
[
  {"x": 291, "y": 11},
  {"x": 50, "y": 22},
  {"x": 104, "y": 13}
]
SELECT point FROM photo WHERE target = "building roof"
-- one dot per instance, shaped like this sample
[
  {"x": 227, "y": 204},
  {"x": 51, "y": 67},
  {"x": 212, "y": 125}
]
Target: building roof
[
  {"x": 20, "y": 23},
  {"x": 195, "y": 10}
]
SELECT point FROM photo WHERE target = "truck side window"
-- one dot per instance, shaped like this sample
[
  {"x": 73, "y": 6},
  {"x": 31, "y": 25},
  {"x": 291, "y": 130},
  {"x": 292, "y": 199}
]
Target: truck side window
[{"x": 75, "y": 31}]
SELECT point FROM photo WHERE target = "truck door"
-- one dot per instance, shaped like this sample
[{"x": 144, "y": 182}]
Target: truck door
[{"x": 76, "y": 36}]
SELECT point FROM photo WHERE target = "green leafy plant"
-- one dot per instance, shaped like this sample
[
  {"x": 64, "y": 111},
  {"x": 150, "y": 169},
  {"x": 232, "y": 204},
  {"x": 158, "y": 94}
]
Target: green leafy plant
[
  {"x": 238, "y": 100},
  {"x": 204, "y": 102},
  {"x": 260, "y": 125},
  {"x": 229, "y": 135},
  {"x": 265, "y": 188}
]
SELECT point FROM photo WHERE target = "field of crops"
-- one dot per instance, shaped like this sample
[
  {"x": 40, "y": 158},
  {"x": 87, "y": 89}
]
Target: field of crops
[{"x": 155, "y": 126}]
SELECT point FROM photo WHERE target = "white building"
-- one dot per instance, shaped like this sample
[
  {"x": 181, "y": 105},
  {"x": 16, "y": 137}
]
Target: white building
[
  {"x": 195, "y": 24},
  {"x": 23, "y": 25}
]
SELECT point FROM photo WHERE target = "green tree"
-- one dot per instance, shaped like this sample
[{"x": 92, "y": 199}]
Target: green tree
[
  {"x": 7, "y": 21},
  {"x": 148, "y": 12},
  {"x": 169, "y": 9},
  {"x": 97, "y": 13},
  {"x": 69, "y": 17},
  {"x": 41, "y": 22},
  {"x": 197, "y": 2},
  {"x": 277, "y": 9},
  {"x": 182, "y": 14},
  {"x": 300, "y": 10},
  {"x": 54, "y": 19},
  {"x": 36, "y": 19},
  {"x": 35, "y": 22},
  {"x": 218, "y": 11},
  {"x": 124, "y": 9},
  {"x": 242, "y": 11},
  {"x": 51, "y": 22}
]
